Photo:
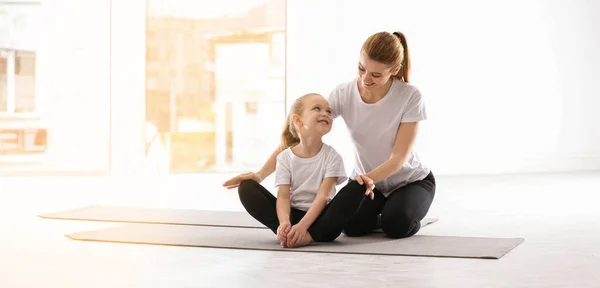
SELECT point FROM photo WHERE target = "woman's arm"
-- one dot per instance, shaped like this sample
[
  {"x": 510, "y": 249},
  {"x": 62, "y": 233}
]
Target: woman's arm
[
  {"x": 405, "y": 138},
  {"x": 267, "y": 169},
  {"x": 319, "y": 203}
]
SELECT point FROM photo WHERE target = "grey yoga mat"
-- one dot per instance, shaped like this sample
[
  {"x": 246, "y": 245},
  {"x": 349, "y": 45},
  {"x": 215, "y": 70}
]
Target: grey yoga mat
[
  {"x": 263, "y": 239},
  {"x": 126, "y": 214},
  {"x": 157, "y": 216}
]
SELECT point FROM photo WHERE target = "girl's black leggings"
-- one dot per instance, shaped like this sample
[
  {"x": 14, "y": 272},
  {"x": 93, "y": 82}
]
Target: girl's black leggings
[{"x": 350, "y": 211}]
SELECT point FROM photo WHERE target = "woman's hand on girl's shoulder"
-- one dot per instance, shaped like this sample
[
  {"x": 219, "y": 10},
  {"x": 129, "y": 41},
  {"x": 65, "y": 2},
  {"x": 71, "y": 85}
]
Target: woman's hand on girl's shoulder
[
  {"x": 235, "y": 181},
  {"x": 368, "y": 182}
]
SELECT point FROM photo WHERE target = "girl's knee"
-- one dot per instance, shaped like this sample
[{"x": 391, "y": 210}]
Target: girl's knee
[
  {"x": 399, "y": 227},
  {"x": 357, "y": 229},
  {"x": 325, "y": 238},
  {"x": 355, "y": 232},
  {"x": 353, "y": 187},
  {"x": 247, "y": 185},
  {"x": 247, "y": 189}
]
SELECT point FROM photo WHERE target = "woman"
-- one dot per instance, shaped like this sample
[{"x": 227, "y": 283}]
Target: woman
[{"x": 382, "y": 112}]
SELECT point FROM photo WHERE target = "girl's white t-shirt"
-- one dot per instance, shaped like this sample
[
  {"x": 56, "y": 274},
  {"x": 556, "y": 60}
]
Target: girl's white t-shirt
[
  {"x": 305, "y": 175},
  {"x": 373, "y": 129}
]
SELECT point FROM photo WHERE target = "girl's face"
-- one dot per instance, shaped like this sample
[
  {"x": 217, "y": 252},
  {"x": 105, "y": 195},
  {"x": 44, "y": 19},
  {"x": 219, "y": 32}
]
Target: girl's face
[
  {"x": 316, "y": 117},
  {"x": 373, "y": 74}
]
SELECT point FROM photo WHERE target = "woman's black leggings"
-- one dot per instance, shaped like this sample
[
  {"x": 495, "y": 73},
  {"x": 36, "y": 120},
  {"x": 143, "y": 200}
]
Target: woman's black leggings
[
  {"x": 399, "y": 215},
  {"x": 350, "y": 210}
]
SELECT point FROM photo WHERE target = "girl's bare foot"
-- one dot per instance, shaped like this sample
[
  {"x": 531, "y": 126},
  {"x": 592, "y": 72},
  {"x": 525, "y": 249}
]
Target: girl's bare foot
[
  {"x": 303, "y": 240},
  {"x": 282, "y": 237},
  {"x": 283, "y": 243}
]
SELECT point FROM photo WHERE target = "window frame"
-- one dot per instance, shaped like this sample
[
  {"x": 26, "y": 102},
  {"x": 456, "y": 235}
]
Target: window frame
[{"x": 11, "y": 96}]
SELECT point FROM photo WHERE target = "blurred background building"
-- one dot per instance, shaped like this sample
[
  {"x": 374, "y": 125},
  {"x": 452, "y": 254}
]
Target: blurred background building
[
  {"x": 208, "y": 70},
  {"x": 207, "y": 74}
]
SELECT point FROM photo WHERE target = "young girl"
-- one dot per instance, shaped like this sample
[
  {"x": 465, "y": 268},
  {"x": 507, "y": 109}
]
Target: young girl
[{"x": 306, "y": 174}]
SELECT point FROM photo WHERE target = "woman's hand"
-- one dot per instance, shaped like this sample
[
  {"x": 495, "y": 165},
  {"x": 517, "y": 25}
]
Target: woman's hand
[
  {"x": 366, "y": 181},
  {"x": 235, "y": 181}
]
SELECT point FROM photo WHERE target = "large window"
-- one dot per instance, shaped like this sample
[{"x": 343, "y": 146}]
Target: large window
[
  {"x": 54, "y": 86},
  {"x": 215, "y": 86},
  {"x": 209, "y": 95}
]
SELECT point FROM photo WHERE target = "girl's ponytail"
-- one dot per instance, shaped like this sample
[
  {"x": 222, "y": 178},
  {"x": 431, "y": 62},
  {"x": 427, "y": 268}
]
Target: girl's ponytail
[{"x": 289, "y": 137}]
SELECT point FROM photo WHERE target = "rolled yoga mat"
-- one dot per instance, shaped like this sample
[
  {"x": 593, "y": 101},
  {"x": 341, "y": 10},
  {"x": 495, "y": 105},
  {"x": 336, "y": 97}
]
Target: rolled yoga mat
[
  {"x": 125, "y": 214},
  {"x": 263, "y": 239}
]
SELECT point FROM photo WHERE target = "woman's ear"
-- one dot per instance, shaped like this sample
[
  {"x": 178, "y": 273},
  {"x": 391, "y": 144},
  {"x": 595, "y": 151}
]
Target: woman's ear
[{"x": 396, "y": 70}]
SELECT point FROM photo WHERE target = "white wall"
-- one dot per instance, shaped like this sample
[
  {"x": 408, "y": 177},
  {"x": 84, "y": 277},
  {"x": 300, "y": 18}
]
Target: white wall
[
  {"x": 128, "y": 87},
  {"x": 485, "y": 69}
]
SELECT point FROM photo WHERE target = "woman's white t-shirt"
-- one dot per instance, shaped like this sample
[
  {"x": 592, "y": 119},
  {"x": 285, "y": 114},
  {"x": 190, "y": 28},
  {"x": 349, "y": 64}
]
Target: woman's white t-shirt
[
  {"x": 373, "y": 129},
  {"x": 305, "y": 175}
]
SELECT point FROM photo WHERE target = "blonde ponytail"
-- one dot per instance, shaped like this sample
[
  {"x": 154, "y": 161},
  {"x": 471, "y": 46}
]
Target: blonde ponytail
[{"x": 289, "y": 137}]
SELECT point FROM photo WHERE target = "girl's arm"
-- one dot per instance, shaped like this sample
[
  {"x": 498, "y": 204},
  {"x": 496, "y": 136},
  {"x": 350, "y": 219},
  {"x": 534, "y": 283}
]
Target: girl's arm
[
  {"x": 319, "y": 203},
  {"x": 405, "y": 138},
  {"x": 283, "y": 204}
]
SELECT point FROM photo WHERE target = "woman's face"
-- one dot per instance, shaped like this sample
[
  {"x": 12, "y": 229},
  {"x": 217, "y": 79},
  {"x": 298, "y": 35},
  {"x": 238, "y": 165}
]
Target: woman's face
[{"x": 373, "y": 74}]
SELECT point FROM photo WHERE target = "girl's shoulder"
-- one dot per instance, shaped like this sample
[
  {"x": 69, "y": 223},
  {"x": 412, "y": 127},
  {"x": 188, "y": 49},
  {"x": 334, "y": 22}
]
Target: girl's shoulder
[
  {"x": 284, "y": 154},
  {"x": 330, "y": 152}
]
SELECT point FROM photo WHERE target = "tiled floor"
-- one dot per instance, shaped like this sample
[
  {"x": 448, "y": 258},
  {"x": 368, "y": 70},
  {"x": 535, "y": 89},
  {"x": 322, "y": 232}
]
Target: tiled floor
[{"x": 556, "y": 214}]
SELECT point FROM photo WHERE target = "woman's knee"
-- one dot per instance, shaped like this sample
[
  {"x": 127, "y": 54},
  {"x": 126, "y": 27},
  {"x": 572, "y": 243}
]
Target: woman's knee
[{"x": 399, "y": 225}]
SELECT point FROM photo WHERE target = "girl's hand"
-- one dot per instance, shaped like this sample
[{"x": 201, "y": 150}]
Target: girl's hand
[
  {"x": 235, "y": 181},
  {"x": 282, "y": 232},
  {"x": 298, "y": 236},
  {"x": 366, "y": 181}
]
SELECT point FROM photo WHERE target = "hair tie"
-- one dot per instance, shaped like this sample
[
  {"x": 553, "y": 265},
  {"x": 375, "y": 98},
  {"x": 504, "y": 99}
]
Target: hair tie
[{"x": 399, "y": 37}]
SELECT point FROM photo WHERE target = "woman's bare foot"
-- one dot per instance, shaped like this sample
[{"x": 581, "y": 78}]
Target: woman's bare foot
[{"x": 303, "y": 240}]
